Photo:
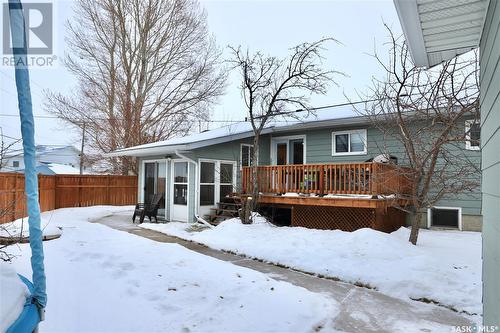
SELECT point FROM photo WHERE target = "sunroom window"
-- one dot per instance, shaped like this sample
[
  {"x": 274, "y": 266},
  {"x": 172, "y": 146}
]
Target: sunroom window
[
  {"x": 349, "y": 142},
  {"x": 207, "y": 183}
]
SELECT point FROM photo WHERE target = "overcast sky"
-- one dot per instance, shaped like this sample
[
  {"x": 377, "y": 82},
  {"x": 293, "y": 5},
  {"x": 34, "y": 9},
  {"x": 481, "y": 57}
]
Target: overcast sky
[{"x": 269, "y": 26}]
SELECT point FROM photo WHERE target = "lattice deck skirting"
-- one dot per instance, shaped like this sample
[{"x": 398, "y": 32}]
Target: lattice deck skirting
[{"x": 347, "y": 218}]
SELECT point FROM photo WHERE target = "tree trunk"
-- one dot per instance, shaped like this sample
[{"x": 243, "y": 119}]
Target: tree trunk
[
  {"x": 253, "y": 202},
  {"x": 416, "y": 217}
]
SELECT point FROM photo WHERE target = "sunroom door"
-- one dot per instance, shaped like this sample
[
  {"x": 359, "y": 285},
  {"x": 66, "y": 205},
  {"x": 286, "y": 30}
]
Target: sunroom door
[
  {"x": 180, "y": 189},
  {"x": 155, "y": 182}
]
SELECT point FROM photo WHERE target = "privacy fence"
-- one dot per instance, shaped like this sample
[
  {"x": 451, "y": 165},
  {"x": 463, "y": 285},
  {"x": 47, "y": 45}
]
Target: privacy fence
[{"x": 60, "y": 191}]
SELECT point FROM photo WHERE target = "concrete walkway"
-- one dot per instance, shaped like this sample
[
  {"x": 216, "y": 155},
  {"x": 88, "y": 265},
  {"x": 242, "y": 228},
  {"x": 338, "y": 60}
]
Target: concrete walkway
[{"x": 362, "y": 309}]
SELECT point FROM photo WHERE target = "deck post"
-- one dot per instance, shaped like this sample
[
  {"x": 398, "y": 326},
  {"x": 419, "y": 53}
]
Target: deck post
[
  {"x": 321, "y": 179},
  {"x": 373, "y": 179}
]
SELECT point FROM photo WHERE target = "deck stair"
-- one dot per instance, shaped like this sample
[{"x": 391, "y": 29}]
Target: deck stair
[{"x": 226, "y": 209}]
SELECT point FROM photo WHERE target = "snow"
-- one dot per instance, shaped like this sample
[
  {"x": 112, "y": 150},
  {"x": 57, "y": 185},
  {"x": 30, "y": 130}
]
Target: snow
[
  {"x": 14, "y": 293},
  {"x": 20, "y": 228},
  {"x": 242, "y": 127},
  {"x": 103, "y": 280},
  {"x": 445, "y": 266},
  {"x": 63, "y": 169}
]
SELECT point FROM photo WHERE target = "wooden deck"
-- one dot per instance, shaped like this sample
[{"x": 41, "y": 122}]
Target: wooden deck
[
  {"x": 373, "y": 179},
  {"x": 345, "y": 196}
]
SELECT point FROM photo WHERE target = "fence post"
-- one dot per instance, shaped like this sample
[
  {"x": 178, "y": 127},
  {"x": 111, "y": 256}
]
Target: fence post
[
  {"x": 79, "y": 201},
  {"x": 108, "y": 197},
  {"x": 15, "y": 198}
]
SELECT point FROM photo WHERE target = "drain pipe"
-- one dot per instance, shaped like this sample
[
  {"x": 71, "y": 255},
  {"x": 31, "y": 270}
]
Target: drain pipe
[{"x": 196, "y": 199}]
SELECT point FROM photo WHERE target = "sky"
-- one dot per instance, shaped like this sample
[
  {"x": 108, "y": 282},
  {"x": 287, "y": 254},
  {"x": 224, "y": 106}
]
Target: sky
[{"x": 271, "y": 27}]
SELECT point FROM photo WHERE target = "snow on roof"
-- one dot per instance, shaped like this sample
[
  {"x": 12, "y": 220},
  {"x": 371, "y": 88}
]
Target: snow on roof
[
  {"x": 54, "y": 169},
  {"x": 41, "y": 149},
  {"x": 239, "y": 130},
  {"x": 62, "y": 169}
]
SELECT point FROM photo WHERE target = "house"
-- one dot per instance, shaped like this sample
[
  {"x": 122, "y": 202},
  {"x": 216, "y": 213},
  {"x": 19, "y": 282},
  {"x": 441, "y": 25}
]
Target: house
[
  {"x": 438, "y": 31},
  {"x": 318, "y": 161},
  {"x": 49, "y": 169},
  {"x": 49, "y": 160}
]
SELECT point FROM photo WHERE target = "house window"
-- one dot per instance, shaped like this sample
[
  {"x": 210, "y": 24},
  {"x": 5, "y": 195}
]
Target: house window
[
  {"x": 207, "y": 183},
  {"x": 349, "y": 142},
  {"x": 246, "y": 155},
  {"x": 445, "y": 217},
  {"x": 15, "y": 164},
  {"x": 472, "y": 135},
  {"x": 226, "y": 180}
]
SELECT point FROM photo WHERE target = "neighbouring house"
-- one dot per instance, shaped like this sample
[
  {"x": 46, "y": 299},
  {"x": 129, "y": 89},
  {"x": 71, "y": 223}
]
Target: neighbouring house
[
  {"x": 49, "y": 160},
  {"x": 317, "y": 172},
  {"x": 437, "y": 31}
]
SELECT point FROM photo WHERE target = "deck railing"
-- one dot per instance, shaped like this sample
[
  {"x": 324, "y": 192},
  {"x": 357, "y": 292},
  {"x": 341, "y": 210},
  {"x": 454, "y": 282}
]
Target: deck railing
[{"x": 339, "y": 178}]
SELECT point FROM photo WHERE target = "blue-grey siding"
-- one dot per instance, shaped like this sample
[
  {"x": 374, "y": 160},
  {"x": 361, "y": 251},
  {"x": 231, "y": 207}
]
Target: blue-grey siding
[{"x": 490, "y": 134}]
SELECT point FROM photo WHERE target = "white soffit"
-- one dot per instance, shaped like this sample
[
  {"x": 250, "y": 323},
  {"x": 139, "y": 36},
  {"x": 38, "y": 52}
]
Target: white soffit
[{"x": 438, "y": 30}]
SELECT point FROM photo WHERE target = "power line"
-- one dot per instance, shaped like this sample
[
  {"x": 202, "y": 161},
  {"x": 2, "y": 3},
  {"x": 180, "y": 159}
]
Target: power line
[{"x": 210, "y": 120}]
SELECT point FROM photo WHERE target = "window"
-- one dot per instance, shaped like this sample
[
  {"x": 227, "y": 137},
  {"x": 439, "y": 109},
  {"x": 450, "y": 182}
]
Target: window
[
  {"x": 216, "y": 182},
  {"x": 180, "y": 183},
  {"x": 472, "y": 135},
  {"x": 246, "y": 155},
  {"x": 207, "y": 183},
  {"x": 349, "y": 142},
  {"x": 15, "y": 164},
  {"x": 226, "y": 180},
  {"x": 445, "y": 217}
]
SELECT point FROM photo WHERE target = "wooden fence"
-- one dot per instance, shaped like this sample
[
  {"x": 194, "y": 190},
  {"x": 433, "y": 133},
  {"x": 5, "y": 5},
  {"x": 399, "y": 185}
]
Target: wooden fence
[{"x": 60, "y": 191}]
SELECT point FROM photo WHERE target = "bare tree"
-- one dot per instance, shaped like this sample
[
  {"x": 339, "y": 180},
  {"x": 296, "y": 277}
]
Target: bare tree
[
  {"x": 424, "y": 110},
  {"x": 6, "y": 148},
  {"x": 272, "y": 87},
  {"x": 146, "y": 71}
]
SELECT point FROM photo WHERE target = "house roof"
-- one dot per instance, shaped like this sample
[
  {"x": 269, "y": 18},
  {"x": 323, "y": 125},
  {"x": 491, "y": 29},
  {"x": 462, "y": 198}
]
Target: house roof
[
  {"x": 42, "y": 150},
  {"x": 343, "y": 115},
  {"x": 54, "y": 169},
  {"x": 438, "y": 30}
]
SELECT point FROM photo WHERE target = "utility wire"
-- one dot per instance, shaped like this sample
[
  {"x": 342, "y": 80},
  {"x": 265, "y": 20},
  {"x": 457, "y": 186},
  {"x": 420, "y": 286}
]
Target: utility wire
[{"x": 211, "y": 120}]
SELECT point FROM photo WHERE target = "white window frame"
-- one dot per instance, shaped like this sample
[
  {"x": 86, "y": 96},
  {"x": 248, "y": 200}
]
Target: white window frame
[
  {"x": 142, "y": 174},
  {"x": 349, "y": 153},
  {"x": 286, "y": 139},
  {"x": 241, "y": 153},
  {"x": 204, "y": 209},
  {"x": 214, "y": 184},
  {"x": 468, "y": 124},
  {"x": 172, "y": 177},
  {"x": 429, "y": 215}
]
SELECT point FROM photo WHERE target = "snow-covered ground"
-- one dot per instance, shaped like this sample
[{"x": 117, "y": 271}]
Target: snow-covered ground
[
  {"x": 13, "y": 296},
  {"x": 103, "y": 280},
  {"x": 444, "y": 267},
  {"x": 20, "y": 228}
]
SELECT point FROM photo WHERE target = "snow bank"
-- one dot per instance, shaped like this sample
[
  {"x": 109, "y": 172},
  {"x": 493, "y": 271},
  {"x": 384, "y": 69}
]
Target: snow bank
[
  {"x": 13, "y": 296},
  {"x": 20, "y": 228},
  {"x": 103, "y": 280},
  {"x": 445, "y": 266}
]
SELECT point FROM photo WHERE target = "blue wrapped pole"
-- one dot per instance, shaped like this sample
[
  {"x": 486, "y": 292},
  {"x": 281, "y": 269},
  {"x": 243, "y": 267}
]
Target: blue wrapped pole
[{"x": 20, "y": 50}]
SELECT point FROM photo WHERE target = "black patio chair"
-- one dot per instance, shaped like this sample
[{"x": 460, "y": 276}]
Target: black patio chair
[{"x": 149, "y": 209}]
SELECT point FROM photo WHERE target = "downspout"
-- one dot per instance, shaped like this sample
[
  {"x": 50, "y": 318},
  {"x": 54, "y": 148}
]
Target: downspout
[{"x": 196, "y": 205}]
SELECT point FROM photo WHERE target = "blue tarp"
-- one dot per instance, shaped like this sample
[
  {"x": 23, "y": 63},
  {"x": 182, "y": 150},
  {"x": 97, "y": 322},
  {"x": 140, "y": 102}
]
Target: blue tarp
[
  {"x": 29, "y": 318},
  {"x": 20, "y": 50}
]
